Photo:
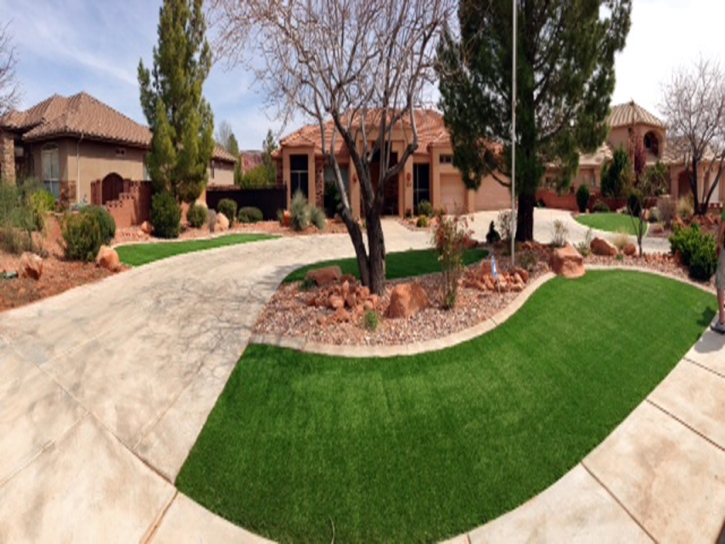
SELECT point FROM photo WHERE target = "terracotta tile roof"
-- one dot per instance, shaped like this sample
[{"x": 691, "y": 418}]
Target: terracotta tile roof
[
  {"x": 598, "y": 158},
  {"x": 222, "y": 154},
  {"x": 431, "y": 133},
  {"x": 76, "y": 115},
  {"x": 630, "y": 114}
]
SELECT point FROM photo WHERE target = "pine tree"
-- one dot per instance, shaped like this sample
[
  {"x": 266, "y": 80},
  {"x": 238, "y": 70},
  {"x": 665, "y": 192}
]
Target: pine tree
[
  {"x": 171, "y": 98},
  {"x": 565, "y": 79}
]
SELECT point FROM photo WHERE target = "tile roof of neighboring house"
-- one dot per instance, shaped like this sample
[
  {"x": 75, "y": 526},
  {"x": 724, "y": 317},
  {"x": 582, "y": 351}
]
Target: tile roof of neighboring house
[
  {"x": 429, "y": 123},
  {"x": 676, "y": 149},
  {"x": 630, "y": 113},
  {"x": 82, "y": 114},
  {"x": 222, "y": 154},
  {"x": 602, "y": 154}
]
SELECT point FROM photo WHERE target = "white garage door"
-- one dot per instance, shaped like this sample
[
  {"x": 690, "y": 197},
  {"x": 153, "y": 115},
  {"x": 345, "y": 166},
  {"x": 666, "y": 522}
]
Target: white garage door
[
  {"x": 491, "y": 195},
  {"x": 453, "y": 193}
]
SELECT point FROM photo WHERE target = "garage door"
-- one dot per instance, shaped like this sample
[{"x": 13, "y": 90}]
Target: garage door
[
  {"x": 491, "y": 195},
  {"x": 453, "y": 193}
]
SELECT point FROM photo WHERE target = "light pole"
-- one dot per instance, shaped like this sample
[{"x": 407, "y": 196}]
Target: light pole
[{"x": 513, "y": 145}]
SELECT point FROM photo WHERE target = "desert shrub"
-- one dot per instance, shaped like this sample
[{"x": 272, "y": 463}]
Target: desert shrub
[
  {"x": 600, "y": 207},
  {"x": 211, "y": 220},
  {"x": 698, "y": 250},
  {"x": 620, "y": 240},
  {"x": 634, "y": 203},
  {"x": 42, "y": 202},
  {"x": 582, "y": 197},
  {"x": 527, "y": 260},
  {"x": 18, "y": 218},
  {"x": 317, "y": 217},
  {"x": 229, "y": 208},
  {"x": 371, "y": 320},
  {"x": 300, "y": 212},
  {"x": 492, "y": 236},
  {"x": 449, "y": 240},
  {"x": 82, "y": 236},
  {"x": 165, "y": 215},
  {"x": 425, "y": 208},
  {"x": 685, "y": 207},
  {"x": 250, "y": 214},
  {"x": 504, "y": 221},
  {"x": 667, "y": 209},
  {"x": 196, "y": 215},
  {"x": 105, "y": 221},
  {"x": 585, "y": 246},
  {"x": 561, "y": 233},
  {"x": 422, "y": 222}
]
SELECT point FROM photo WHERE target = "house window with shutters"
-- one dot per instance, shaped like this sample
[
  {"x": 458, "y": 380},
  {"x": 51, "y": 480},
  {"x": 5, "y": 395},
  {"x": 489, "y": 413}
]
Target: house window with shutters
[{"x": 51, "y": 169}]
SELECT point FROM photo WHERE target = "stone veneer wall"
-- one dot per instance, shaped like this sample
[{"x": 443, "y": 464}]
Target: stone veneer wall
[
  {"x": 7, "y": 157},
  {"x": 320, "y": 183}
]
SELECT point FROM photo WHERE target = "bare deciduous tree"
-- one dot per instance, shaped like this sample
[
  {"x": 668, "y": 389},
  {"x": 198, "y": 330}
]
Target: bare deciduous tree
[
  {"x": 223, "y": 134},
  {"x": 693, "y": 102},
  {"x": 364, "y": 66},
  {"x": 9, "y": 88}
]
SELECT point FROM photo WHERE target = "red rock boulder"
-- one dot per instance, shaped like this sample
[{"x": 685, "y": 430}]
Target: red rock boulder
[
  {"x": 146, "y": 227},
  {"x": 630, "y": 250},
  {"x": 31, "y": 266},
  {"x": 324, "y": 276},
  {"x": 108, "y": 258},
  {"x": 600, "y": 246},
  {"x": 567, "y": 262},
  {"x": 406, "y": 300}
]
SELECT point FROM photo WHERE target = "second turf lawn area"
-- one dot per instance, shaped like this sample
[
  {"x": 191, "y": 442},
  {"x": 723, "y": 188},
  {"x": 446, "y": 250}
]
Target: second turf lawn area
[
  {"x": 415, "y": 449},
  {"x": 138, "y": 254},
  {"x": 403, "y": 264},
  {"x": 610, "y": 222}
]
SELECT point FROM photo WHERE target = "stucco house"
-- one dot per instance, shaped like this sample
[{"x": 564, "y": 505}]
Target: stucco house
[
  {"x": 430, "y": 174},
  {"x": 84, "y": 151}
]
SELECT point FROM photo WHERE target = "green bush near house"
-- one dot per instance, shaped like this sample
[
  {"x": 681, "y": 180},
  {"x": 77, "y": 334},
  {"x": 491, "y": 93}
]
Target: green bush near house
[
  {"x": 317, "y": 217},
  {"x": 425, "y": 208},
  {"x": 300, "y": 212},
  {"x": 82, "y": 236},
  {"x": 582, "y": 197},
  {"x": 698, "y": 250},
  {"x": 229, "y": 208},
  {"x": 250, "y": 214},
  {"x": 165, "y": 215},
  {"x": 600, "y": 207},
  {"x": 196, "y": 215},
  {"x": 105, "y": 221}
]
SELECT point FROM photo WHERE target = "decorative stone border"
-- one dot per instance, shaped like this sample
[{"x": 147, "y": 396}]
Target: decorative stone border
[{"x": 487, "y": 325}]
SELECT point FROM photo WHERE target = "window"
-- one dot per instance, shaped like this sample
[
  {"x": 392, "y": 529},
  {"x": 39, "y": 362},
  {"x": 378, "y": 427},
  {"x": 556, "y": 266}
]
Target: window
[
  {"x": 51, "y": 169},
  {"x": 421, "y": 183},
  {"x": 120, "y": 152},
  {"x": 446, "y": 159},
  {"x": 651, "y": 143},
  {"x": 330, "y": 177},
  {"x": 299, "y": 175}
]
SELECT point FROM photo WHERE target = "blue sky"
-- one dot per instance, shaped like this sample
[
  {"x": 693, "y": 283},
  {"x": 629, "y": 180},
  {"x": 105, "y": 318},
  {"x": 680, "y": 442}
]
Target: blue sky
[{"x": 68, "y": 46}]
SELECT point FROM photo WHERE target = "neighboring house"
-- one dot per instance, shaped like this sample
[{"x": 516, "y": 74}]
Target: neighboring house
[
  {"x": 428, "y": 175},
  {"x": 84, "y": 151}
]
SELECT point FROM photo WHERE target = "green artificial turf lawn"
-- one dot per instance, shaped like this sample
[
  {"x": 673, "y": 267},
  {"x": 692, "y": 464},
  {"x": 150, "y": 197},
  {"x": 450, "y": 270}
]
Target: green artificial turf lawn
[
  {"x": 420, "y": 448},
  {"x": 139, "y": 254},
  {"x": 403, "y": 264},
  {"x": 610, "y": 222}
]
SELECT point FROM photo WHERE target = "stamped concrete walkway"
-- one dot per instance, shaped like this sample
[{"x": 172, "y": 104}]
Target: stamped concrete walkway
[{"x": 104, "y": 389}]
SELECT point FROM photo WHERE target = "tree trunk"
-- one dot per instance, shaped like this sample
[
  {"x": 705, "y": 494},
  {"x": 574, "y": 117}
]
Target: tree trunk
[
  {"x": 376, "y": 253},
  {"x": 525, "y": 218},
  {"x": 355, "y": 232}
]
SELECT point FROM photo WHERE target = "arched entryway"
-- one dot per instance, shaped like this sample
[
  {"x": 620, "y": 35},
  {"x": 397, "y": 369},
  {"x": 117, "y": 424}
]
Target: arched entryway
[
  {"x": 683, "y": 185},
  {"x": 111, "y": 187}
]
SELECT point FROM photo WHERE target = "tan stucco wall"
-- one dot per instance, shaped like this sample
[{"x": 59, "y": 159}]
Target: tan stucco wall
[
  {"x": 491, "y": 195},
  {"x": 619, "y": 136},
  {"x": 223, "y": 174}
]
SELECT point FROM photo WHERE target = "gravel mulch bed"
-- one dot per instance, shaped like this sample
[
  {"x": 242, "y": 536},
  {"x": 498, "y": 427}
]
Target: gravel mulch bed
[{"x": 290, "y": 314}]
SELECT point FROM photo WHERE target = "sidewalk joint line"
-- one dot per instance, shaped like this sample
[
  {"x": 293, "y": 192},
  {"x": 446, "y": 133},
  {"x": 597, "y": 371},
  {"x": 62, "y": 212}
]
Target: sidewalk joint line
[
  {"x": 685, "y": 424},
  {"x": 619, "y": 502},
  {"x": 156, "y": 523},
  {"x": 712, "y": 371}
]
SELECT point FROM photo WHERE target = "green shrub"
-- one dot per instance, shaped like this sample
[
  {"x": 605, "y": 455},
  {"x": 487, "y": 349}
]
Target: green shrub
[
  {"x": 686, "y": 207},
  {"x": 317, "y": 217},
  {"x": 249, "y": 214},
  {"x": 600, "y": 207},
  {"x": 561, "y": 232},
  {"x": 165, "y": 215},
  {"x": 582, "y": 197},
  {"x": 425, "y": 208},
  {"x": 654, "y": 215},
  {"x": 585, "y": 246},
  {"x": 196, "y": 215},
  {"x": 634, "y": 203},
  {"x": 105, "y": 221},
  {"x": 422, "y": 222},
  {"x": 229, "y": 208},
  {"x": 211, "y": 220},
  {"x": 82, "y": 236},
  {"x": 300, "y": 212},
  {"x": 18, "y": 218},
  {"x": 492, "y": 236},
  {"x": 449, "y": 240},
  {"x": 698, "y": 250},
  {"x": 667, "y": 209},
  {"x": 371, "y": 320},
  {"x": 42, "y": 202}
]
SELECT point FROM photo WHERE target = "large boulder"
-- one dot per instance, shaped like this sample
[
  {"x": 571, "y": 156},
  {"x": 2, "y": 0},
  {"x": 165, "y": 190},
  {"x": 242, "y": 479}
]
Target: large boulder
[
  {"x": 108, "y": 258},
  {"x": 324, "y": 276},
  {"x": 406, "y": 300},
  {"x": 222, "y": 223},
  {"x": 567, "y": 262},
  {"x": 600, "y": 246},
  {"x": 31, "y": 266}
]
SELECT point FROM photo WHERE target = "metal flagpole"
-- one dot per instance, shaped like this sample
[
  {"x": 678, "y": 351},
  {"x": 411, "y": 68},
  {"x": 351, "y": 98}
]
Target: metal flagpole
[{"x": 513, "y": 145}]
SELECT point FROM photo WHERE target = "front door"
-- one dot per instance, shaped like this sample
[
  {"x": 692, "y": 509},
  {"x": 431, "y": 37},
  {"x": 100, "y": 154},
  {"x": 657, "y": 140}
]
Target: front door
[{"x": 392, "y": 187}]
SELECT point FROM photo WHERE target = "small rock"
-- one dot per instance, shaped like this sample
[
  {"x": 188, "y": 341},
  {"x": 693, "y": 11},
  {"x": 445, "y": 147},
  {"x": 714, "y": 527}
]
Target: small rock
[
  {"x": 367, "y": 306},
  {"x": 374, "y": 300},
  {"x": 324, "y": 276},
  {"x": 108, "y": 258},
  {"x": 345, "y": 288},
  {"x": 286, "y": 218},
  {"x": 523, "y": 274},
  {"x": 31, "y": 266},
  {"x": 406, "y": 300},
  {"x": 341, "y": 315},
  {"x": 222, "y": 223},
  {"x": 146, "y": 227},
  {"x": 630, "y": 250},
  {"x": 351, "y": 300},
  {"x": 336, "y": 302},
  {"x": 600, "y": 246}
]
